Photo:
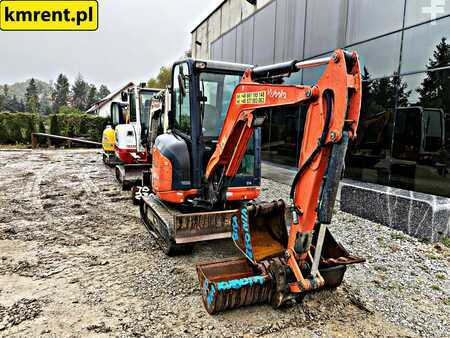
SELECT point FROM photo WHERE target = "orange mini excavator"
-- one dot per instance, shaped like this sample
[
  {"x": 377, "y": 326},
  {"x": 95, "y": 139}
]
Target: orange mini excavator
[{"x": 281, "y": 262}]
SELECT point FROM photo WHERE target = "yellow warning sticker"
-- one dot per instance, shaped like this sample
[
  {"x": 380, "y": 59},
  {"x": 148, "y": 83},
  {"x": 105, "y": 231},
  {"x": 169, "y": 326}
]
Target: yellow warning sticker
[{"x": 251, "y": 98}]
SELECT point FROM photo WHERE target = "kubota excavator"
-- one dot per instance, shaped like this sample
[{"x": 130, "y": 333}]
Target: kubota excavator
[
  {"x": 196, "y": 105},
  {"x": 281, "y": 265}
]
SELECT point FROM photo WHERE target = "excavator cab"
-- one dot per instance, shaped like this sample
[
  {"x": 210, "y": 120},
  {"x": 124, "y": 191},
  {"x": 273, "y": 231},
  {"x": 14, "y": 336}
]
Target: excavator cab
[
  {"x": 200, "y": 97},
  {"x": 130, "y": 135}
]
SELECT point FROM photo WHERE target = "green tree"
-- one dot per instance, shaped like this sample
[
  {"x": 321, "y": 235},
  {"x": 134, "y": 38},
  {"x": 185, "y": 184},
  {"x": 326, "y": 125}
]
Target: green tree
[
  {"x": 92, "y": 96},
  {"x": 42, "y": 127},
  {"x": 54, "y": 125},
  {"x": 68, "y": 110},
  {"x": 31, "y": 97},
  {"x": 80, "y": 91},
  {"x": 14, "y": 105},
  {"x": 4, "y": 97},
  {"x": 103, "y": 92},
  {"x": 163, "y": 79},
  {"x": 435, "y": 88},
  {"x": 60, "y": 93}
]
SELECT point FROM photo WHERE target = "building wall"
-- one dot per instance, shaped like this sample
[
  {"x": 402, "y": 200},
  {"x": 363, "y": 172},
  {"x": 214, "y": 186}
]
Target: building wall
[
  {"x": 227, "y": 16},
  {"x": 105, "y": 111},
  {"x": 404, "y": 135}
]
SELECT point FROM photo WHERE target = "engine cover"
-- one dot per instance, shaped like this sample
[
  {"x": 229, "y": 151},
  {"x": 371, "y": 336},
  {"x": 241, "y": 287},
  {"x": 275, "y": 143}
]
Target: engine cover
[{"x": 171, "y": 168}]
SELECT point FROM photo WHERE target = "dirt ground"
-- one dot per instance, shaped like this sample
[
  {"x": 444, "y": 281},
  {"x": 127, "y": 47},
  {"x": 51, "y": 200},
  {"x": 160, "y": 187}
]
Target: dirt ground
[{"x": 75, "y": 261}]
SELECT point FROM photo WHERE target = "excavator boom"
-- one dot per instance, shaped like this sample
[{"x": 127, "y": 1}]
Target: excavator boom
[{"x": 287, "y": 264}]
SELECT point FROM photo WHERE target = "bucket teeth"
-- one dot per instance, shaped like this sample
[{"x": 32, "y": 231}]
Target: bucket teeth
[
  {"x": 264, "y": 276},
  {"x": 238, "y": 286}
]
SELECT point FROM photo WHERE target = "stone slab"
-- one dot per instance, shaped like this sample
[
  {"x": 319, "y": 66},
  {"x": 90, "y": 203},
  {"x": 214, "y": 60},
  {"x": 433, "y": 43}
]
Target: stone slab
[{"x": 417, "y": 214}]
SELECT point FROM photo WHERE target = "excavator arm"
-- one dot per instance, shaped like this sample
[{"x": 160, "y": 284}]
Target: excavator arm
[{"x": 334, "y": 104}]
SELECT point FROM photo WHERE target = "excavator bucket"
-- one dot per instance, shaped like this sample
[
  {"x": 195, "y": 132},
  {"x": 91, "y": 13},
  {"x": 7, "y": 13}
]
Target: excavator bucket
[
  {"x": 260, "y": 233},
  {"x": 232, "y": 283}
]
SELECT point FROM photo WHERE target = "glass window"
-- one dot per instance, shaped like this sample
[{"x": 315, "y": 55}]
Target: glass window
[
  {"x": 312, "y": 75},
  {"x": 290, "y": 26},
  {"x": 247, "y": 167},
  {"x": 182, "y": 120},
  {"x": 244, "y": 44},
  {"x": 117, "y": 113},
  {"x": 380, "y": 57},
  {"x": 421, "y": 140},
  {"x": 132, "y": 106},
  {"x": 421, "y": 43},
  {"x": 218, "y": 90},
  {"x": 229, "y": 46},
  {"x": 216, "y": 50},
  {"x": 369, "y": 155},
  {"x": 286, "y": 129},
  {"x": 324, "y": 26},
  {"x": 264, "y": 36},
  {"x": 418, "y": 11},
  {"x": 145, "y": 99},
  {"x": 368, "y": 19}
]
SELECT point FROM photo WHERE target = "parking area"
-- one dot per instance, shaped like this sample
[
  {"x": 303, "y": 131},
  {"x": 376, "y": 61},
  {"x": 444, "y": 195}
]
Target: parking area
[{"x": 76, "y": 261}]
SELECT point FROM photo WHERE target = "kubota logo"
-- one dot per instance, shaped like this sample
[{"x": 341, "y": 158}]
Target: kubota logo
[{"x": 277, "y": 94}]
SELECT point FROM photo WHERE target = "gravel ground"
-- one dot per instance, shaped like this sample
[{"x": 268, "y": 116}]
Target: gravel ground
[{"x": 75, "y": 261}]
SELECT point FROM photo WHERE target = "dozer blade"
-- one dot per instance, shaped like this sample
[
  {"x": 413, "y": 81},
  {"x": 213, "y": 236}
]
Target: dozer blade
[
  {"x": 129, "y": 175},
  {"x": 260, "y": 233}
]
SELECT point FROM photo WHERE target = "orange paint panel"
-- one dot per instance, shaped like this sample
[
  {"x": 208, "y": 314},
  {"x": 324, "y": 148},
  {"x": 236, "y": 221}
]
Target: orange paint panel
[
  {"x": 161, "y": 172},
  {"x": 243, "y": 193},
  {"x": 177, "y": 196}
]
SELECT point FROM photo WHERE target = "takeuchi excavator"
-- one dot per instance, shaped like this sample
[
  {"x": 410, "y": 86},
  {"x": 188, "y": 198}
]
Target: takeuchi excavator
[
  {"x": 129, "y": 123},
  {"x": 281, "y": 262}
]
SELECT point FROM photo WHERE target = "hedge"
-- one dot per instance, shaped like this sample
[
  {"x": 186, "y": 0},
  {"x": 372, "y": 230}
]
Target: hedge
[
  {"x": 78, "y": 125},
  {"x": 16, "y": 128}
]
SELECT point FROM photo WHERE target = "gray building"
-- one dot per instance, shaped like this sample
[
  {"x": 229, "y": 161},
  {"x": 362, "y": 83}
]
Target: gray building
[{"x": 404, "y": 135}]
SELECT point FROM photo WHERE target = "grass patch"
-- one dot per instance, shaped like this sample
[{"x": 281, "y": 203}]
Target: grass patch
[
  {"x": 431, "y": 256},
  {"x": 435, "y": 287},
  {"x": 398, "y": 236},
  {"x": 440, "y": 276},
  {"x": 447, "y": 301},
  {"x": 446, "y": 241}
]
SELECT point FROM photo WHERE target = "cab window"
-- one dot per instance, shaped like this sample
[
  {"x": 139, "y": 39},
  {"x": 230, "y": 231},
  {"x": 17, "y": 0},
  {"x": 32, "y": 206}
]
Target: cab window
[
  {"x": 217, "y": 89},
  {"x": 145, "y": 102},
  {"x": 132, "y": 106},
  {"x": 117, "y": 116},
  {"x": 182, "y": 118}
]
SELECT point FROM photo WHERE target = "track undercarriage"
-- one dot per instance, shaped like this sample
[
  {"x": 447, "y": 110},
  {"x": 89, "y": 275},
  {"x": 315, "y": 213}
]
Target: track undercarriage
[{"x": 177, "y": 231}]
